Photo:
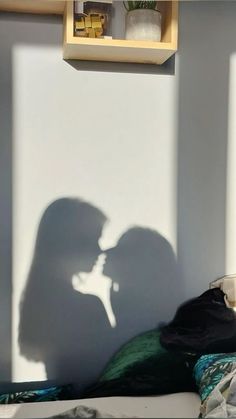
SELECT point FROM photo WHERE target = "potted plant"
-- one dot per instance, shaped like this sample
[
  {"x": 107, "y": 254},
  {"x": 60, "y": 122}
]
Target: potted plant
[{"x": 143, "y": 21}]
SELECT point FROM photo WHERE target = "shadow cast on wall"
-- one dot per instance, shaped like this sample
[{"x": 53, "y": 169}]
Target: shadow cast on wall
[
  {"x": 48, "y": 36},
  {"x": 69, "y": 331}
]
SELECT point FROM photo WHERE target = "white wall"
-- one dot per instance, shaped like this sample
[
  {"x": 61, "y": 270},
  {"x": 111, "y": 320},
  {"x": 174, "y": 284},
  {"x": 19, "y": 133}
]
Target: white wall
[
  {"x": 106, "y": 137},
  {"x": 204, "y": 107},
  {"x": 148, "y": 148},
  {"x": 103, "y": 137}
]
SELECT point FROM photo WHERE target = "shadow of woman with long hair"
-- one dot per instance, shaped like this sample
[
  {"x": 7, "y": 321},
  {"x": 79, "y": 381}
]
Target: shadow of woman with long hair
[{"x": 59, "y": 326}]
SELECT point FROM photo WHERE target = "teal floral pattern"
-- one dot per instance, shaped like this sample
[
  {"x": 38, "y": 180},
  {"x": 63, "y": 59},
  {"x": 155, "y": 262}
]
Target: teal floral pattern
[
  {"x": 44, "y": 395},
  {"x": 210, "y": 369}
]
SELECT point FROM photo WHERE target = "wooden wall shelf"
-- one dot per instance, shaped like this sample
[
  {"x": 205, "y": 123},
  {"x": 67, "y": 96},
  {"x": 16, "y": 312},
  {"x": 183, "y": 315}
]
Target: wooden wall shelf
[
  {"x": 33, "y": 6},
  {"x": 117, "y": 50},
  {"x": 123, "y": 50}
]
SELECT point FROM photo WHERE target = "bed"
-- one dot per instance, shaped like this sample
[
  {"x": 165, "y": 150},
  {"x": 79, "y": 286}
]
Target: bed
[
  {"x": 184, "y": 405},
  {"x": 192, "y": 361}
]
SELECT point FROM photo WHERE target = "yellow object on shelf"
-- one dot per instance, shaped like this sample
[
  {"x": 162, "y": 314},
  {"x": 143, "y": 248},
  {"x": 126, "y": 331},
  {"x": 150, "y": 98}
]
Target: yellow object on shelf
[
  {"x": 87, "y": 22},
  {"x": 96, "y": 23},
  {"x": 90, "y": 26},
  {"x": 79, "y": 25}
]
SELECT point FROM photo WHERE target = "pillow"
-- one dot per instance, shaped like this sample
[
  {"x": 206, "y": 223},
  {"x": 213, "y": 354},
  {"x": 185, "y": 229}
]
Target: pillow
[
  {"x": 144, "y": 367},
  {"x": 42, "y": 395},
  {"x": 210, "y": 369},
  {"x": 136, "y": 350}
]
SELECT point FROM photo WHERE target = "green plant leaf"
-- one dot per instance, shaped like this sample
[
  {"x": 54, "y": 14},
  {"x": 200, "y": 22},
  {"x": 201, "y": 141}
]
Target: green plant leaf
[{"x": 133, "y": 5}]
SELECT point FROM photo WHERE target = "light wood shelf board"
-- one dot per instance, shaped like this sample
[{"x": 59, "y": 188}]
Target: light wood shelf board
[{"x": 33, "y": 6}]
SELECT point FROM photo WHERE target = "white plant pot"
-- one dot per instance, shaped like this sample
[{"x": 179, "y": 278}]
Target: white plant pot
[{"x": 143, "y": 25}]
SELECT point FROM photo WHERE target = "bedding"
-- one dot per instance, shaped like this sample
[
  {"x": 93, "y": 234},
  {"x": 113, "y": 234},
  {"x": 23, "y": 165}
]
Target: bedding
[
  {"x": 38, "y": 395},
  {"x": 160, "y": 364},
  {"x": 221, "y": 403},
  {"x": 203, "y": 325},
  {"x": 143, "y": 367},
  {"x": 135, "y": 351},
  {"x": 184, "y": 405},
  {"x": 210, "y": 370},
  {"x": 215, "y": 376},
  {"x": 85, "y": 412}
]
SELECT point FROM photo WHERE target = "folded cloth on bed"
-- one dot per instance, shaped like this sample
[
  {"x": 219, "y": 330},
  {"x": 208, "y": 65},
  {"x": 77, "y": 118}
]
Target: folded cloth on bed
[
  {"x": 210, "y": 370},
  {"x": 143, "y": 367},
  {"x": 221, "y": 403},
  {"x": 86, "y": 412},
  {"x": 202, "y": 325}
]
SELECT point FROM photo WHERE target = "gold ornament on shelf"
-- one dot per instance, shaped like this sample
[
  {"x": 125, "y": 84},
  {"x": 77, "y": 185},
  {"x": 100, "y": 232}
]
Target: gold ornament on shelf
[
  {"x": 93, "y": 19},
  {"x": 91, "y": 26}
]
